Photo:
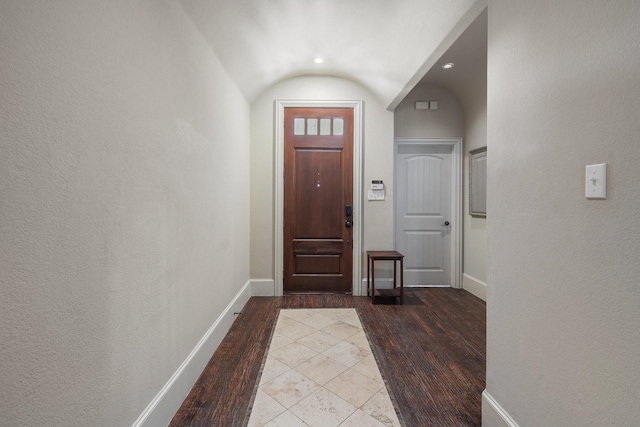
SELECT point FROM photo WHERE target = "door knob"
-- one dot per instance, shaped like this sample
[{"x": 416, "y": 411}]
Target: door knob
[
  {"x": 446, "y": 223},
  {"x": 348, "y": 223}
]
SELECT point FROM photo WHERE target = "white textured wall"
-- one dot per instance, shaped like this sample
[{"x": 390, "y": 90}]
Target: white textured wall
[
  {"x": 563, "y": 335},
  {"x": 377, "y": 154},
  {"x": 446, "y": 121},
  {"x": 124, "y": 198},
  {"x": 468, "y": 119},
  {"x": 474, "y": 101}
]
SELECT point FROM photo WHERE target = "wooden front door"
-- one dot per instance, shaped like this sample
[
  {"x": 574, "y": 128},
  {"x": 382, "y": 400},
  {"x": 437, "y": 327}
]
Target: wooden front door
[{"x": 318, "y": 192}]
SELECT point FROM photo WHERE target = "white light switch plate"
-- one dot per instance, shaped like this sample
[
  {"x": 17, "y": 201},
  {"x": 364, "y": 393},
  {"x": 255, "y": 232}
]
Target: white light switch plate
[{"x": 595, "y": 182}]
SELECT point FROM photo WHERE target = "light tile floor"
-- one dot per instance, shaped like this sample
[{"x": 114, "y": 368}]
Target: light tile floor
[{"x": 320, "y": 371}]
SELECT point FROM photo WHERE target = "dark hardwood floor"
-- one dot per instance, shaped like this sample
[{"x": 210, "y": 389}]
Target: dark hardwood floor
[{"x": 431, "y": 352}]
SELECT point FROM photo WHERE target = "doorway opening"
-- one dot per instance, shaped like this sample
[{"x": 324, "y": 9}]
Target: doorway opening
[
  {"x": 307, "y": 253},
  {"x": 428, "y": 210}
]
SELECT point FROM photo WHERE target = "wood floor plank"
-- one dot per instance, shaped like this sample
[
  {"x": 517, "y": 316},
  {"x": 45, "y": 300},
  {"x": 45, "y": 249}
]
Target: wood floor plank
[{"x": 431, "y": 351}]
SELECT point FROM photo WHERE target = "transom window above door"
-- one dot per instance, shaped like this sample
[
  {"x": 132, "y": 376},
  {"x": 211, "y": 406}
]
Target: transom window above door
[{"x": 314, "y": 126}]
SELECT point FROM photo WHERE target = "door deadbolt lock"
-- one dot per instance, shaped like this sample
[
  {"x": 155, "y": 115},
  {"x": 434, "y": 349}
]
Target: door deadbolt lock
[{"x": 348, "y": 223}]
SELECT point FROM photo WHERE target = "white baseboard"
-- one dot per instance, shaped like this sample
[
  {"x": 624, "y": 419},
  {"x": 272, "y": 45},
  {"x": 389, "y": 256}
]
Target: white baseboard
[
  {"x": 387, "y": 283},
  {"x": 474, "y": 286},
  {"x": 263, "y": 288},
  {"x": 493, "y": 415},
  {"x": 168, "y": 400},
  {"x": 381, "y": 283}
]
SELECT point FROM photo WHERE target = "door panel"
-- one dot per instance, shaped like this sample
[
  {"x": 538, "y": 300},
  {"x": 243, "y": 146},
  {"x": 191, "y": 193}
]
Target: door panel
[
  {"x": 318, "y": 181},
  {"x": 314, "y": 264},
  {"x": 317, "y": 177},
  {"x": 423, "y": 205}
]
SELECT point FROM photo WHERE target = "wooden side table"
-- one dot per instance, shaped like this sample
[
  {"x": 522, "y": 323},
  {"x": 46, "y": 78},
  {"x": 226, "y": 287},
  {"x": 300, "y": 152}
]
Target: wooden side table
[{"x": 372, "y": 257}]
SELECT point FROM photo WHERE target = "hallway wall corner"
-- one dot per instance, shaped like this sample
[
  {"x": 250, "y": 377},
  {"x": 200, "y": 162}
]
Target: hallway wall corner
[
  {"x": 164, "y": 405},
  {"x": 262, "y": 288},
  {"x": 493, "y": 415}
]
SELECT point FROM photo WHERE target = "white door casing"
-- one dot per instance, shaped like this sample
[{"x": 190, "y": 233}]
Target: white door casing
[
  {"x": 279, "y": 106},
  {"x": 428, "y": 195}
]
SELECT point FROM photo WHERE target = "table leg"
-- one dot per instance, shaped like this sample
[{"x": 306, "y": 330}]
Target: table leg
[
  {"x": 401, "y": 282},
  {"x": 368, "y": 275},
  {"x": 395, "y": 274},
  {"x": 373, "y": 281}
]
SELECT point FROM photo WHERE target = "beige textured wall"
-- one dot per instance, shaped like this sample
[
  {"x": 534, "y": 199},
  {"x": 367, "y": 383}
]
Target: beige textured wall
[
  {"x": 124, "y": 199},
  {"x": 474, "y": 101},
  {"x": 453, "y": 119},
  {"x": 563, "y": 341},
  {"x": 377, "y": 154},
  {"x": 446, "y": 121}
]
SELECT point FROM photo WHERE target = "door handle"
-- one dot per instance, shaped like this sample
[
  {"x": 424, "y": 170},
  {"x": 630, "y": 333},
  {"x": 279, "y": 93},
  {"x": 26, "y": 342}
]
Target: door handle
[
  {"x": 348, "y": 223},
  {"x": 446, "y": 223}
]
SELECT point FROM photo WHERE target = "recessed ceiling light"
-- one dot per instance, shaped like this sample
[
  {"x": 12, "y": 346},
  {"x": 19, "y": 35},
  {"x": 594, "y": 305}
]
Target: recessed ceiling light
[
  {"x": 448, "y": 65},
  {"x": 318, "y": 60}
]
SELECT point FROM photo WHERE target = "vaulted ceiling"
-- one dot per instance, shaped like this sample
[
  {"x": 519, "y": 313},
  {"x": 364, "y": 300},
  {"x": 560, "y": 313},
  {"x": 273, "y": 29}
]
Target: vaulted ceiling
[{"x": 386, "y": 45}]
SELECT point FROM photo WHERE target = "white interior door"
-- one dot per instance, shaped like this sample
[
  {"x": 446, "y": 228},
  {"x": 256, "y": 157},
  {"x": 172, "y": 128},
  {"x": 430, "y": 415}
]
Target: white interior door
[{"x": 423, "y": 213}]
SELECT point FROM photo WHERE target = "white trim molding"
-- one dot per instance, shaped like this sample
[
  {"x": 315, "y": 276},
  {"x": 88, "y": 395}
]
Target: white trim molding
[
  {"x": 387, "y": 283},
  {"x": 474, "y": 286},
  {"x": 279, "y": 106},
  {"x": 456, "y": 197},
  {"x": 381, "y": 283},
  {"x": 262, "y": 288},
  {"x": 168, "y": 400},
  {"x": 493, "y": 415}
]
